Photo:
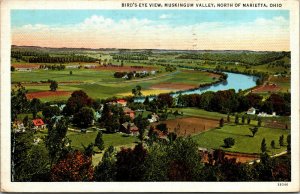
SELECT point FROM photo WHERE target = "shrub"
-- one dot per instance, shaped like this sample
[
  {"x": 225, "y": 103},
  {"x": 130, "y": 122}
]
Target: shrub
[{"x": 229, "y": 142}]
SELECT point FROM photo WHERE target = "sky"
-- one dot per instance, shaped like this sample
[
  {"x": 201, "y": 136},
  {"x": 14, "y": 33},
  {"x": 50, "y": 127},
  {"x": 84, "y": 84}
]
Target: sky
[{"x": 153, "y": 29}]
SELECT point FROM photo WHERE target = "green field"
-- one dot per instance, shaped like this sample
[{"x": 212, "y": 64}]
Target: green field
[
  {"x": 102, "y": 84},
  {"x": 196, "y": 112},
  {"x": 115, "y": 139},
  {"x": 244, "y": 142}
]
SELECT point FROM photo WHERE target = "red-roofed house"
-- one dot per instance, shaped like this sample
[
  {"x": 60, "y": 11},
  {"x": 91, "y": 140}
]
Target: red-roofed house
[
  {"x": 129, "y": 112},
  {"x": 129, "y": 128},
  {"x": 38, "y": 124},
  {"x": 122, "y": 102}
]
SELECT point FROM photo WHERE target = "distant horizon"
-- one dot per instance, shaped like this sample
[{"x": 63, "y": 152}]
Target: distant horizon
[
  {"x": 88, "y": 48},
  {"x": 257, "y": 30}
]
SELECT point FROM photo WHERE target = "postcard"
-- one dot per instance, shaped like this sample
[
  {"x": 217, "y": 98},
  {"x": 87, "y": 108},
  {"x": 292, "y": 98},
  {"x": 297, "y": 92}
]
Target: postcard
[{"x": 150, "y": 96}]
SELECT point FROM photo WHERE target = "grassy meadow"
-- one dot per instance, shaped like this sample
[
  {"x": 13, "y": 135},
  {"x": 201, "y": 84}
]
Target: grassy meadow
[{"x": 244, "y": 142}]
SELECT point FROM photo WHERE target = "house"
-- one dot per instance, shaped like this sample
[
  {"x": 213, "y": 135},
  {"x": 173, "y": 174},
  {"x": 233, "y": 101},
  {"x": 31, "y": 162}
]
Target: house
[
  {"x": 263, "y": 114},
  {"x": 129, "y": 112},
  {"x": 154, "y": 118},
  {"x": 97, "y": 115},
  {"x": 38, "y": 124},
  {"x": 251, "y": 111},
  {"x": 122, "y": 102},
  {"x": 72, "y": 66},
  {"x": 18, "y": 126},
  {"x": 56, "y": 118},
  {"x": 129, "y": 128},
  {"x": 153, "y": 72},
  {"x": 89, "y": 66}
]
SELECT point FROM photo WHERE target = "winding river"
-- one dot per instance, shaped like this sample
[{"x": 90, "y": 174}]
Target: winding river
[{"x": 234, "y": 81}]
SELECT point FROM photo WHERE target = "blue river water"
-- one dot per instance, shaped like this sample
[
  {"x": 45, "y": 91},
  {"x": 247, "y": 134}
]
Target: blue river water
[{"x": 234, "y": 81}]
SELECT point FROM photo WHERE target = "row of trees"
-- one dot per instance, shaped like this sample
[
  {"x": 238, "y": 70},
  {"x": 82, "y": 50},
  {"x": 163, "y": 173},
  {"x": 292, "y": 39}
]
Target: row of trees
[
  {"x": 60, "y": 59},
  {"x": 135, "y": 56},
  {"x": 252, "y": 58},
  {"x": 230, "y": 101}
]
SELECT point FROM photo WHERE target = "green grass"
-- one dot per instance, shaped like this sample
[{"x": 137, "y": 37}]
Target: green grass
[
  {"x": 244, "y": 142},
  {"x": 102, "y": 84},
  {"x": 115, "y": 139},
  {"x": 196, "y": 112}
]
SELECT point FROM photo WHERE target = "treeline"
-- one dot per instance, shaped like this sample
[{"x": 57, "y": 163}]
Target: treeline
[
  {"x": 130, "y": 57},
  {"x": 41, "y": 57},
  {"x": 20, "y": 54},
  {"x": 252, "y": 58},
  {"x": 61, "y": 59},
  {"x": 228, "y": 101},
  {"x": 53, "y": 67}
]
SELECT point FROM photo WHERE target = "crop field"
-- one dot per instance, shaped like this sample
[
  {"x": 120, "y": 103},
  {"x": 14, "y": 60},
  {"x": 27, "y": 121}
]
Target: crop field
[
  {"x": 102, "y": 84},
  {"x": 244, "y": 142},
  {"x": 190, "y": 125}
]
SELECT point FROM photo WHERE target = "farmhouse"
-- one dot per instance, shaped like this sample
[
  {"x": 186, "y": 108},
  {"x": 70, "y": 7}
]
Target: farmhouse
[
  {"x": 154, "y": 118},
  {"x": 251, "y": 111},
  {"x": 18, "y": 126},
  {"x": 38, "y": 124},
  {"x": 89, "y": 66},
  {"x": 72, "y": 66},
  {"x": 129, "y": 112},
  {"x": 122, "y": 102},
  {"x": 129, "y": 128}
]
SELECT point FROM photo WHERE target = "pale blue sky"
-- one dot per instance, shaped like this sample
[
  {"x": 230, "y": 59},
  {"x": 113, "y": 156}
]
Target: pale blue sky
[
  {"x": 181, "y": 17},
  {"x": 160, "y": 29}
]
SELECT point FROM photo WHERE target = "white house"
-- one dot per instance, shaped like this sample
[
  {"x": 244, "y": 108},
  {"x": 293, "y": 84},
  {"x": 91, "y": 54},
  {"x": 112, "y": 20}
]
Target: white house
[{"x": 251, "y": 111}]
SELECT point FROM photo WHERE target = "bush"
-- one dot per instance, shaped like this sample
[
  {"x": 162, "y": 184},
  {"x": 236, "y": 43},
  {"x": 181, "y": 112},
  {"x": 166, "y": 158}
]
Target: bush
[{"x": 229, "y": 142}]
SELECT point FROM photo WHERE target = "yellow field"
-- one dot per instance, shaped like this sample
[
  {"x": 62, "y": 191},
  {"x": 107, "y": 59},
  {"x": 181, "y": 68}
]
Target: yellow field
[{"x": 148, "y": 92}]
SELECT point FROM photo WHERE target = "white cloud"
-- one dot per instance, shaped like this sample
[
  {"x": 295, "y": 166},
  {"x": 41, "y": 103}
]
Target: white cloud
[
  {"x": 165, "y": 16},
  {"x": 98, "y": 31}
]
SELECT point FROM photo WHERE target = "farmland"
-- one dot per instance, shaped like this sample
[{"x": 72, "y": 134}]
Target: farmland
[
  {"x": 244, "y": 142},
  {"x": 102, "y": 84},
  {"x": 195, "y": 101}
]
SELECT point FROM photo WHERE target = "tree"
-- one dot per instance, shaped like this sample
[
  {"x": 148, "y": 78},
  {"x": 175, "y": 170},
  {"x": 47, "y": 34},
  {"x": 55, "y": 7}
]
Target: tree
[
  {"x": 162, "y": 127},
  {"x": 84, "y": 117},
  {"x": 172, "y": 137},
  {"x": 50, "y": 111},
  {"x": 141, "y": 124},
  {"x": 263, "y": 146},
  {"x": 99, "y": 141},
  {"x": 130, "y": 164},
  {"x": 243, "y": 119},
  {"x": 56, "y": 141},
  {"x": 71, "y": 72},
  {"x": 89, "y": 150},
  {"x": 228, "y": 117},
  {"x": 229, "y": 142},
  {"x": 137, "y": 90},
  {"x": 19, "y": 99},
  {"x": 75, "y": 166},
  {"x": 106, "y": 169},
  {"x": 165, "y": 100},
  {"x": 259, "y": 121},
  {"x": 221, "y": 123},
  {"x": 281, "y": 141},
  {"x": 236, "y": 121},
  {"x": 12, "y": 68},
  {"x": 77, "y": 100},
  {"x": 254, "y": 130},
  {"x": 273, "y": 144},
  {"x": 35, "y": 106},
  {"x": 288, "y": 140},
  {"x": 248, "y": 120},
  {"x": 53, "y": 85}
]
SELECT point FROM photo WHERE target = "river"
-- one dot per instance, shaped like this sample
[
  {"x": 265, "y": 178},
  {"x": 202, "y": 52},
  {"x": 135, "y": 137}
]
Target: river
[{"x": 234, "y": 81}]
